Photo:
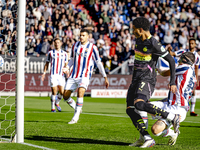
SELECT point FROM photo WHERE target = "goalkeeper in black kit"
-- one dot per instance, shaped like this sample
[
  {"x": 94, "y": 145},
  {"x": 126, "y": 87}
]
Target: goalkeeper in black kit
[{"x": 147, "y": 52}]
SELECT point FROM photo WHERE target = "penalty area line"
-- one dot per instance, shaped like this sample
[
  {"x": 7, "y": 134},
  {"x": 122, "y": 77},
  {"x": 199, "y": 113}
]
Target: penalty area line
[
  {"x": 28, "y": 144},
  {"x": 36, "y": 146}
]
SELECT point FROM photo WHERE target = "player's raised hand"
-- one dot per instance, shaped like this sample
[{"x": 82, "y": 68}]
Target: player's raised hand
[
  {"x": 106, "y": 82},
  {"x": 173, "y": 88}
]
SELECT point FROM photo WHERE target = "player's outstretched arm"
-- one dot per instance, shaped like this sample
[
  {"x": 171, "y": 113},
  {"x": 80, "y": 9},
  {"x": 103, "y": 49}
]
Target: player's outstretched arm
[
  {"x": 196, "y": 73},
  {"x": 171, "y": 62},
  {"x": 106, "y": 82},
  {"x": 45, "y": 69},
  {"x": 97, "y": 60}
]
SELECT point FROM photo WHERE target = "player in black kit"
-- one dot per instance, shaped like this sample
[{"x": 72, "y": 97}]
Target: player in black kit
[{"x": 147, "y": 51}]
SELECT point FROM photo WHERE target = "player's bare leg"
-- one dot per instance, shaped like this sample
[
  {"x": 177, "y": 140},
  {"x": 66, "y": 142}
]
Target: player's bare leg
[
  {"x": 68, "y": 99},
  {"x": 53, "y": 98},
  {"x": 60, "y": 96},
  {"x": 79, "y": 104}
]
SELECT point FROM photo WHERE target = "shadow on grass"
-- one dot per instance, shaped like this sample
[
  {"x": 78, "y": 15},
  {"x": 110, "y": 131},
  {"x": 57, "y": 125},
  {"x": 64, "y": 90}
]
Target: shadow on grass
[
  {"x": 190, "y": 126},
  {"x": 74, "y": 140}
]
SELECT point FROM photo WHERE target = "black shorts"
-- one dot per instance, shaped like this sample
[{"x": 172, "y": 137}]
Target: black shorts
[{"x": 139, "y": 90}]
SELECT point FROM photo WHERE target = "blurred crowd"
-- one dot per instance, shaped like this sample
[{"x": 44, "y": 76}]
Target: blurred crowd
[{"x": 173, "y": 22}]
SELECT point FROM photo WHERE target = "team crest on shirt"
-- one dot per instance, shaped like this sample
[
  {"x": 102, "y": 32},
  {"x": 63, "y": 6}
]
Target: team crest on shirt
[
  {"x": 86, "y": 49},
  {"x": 145, "y": 49}
]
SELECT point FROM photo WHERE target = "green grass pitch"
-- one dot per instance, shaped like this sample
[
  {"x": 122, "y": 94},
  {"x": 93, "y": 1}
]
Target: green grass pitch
[{"x": 103, "y": 125}]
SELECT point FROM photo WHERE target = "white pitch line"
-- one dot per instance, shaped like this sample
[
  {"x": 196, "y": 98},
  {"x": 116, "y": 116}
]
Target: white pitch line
[
  {"x": 108, "y": 115},
  {"x": 32, "y": 145},
  {"x": 36, "y": 146}
]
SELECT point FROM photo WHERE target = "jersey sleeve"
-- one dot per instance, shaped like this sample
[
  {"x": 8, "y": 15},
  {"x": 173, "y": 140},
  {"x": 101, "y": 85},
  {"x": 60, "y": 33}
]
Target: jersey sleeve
[
  {"x": 95, "y": 54},
  {"x": 179, "y": 52},
  {"x": 197, "y": 61},
  {"x": 48, "y": 57},
  {"x": 159, "y": 50}
]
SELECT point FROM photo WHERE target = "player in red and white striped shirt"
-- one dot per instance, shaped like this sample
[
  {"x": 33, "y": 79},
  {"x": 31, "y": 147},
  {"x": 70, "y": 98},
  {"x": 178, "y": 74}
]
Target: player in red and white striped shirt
[
  {"x": 58, "y": 59},
  {"x": 84, "y": 55},
  {"x": 192, "y": 48},
  {"x": 176, "y": 103}
]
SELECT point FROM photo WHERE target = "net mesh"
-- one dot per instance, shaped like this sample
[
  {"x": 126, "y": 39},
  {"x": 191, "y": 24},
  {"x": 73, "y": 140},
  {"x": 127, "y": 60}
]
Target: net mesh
[{"x": 7, "y": 70}]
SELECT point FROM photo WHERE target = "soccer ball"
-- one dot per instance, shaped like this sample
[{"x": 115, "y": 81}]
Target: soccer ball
[{"x": 1, "y": 61}]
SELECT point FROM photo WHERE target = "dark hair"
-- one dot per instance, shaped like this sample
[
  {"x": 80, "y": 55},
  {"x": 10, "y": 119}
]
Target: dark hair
[
  {"x": 85, "y": 30},
  {"x": 188, "y": 58},
  {"x": 192, "y": 39},
  {"x": 56, "y": 39},
  {"x": 142, "y": 22}
]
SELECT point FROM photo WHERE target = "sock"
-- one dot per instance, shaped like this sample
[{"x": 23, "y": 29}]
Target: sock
[
  {"x": 150, "y": 108},
  {"x": 147, "y": 137},
  {"x": 137, "y": 121},
  {"x": 166, "y": 133},
  {"x": 79, "y": 105},
  {"x": 71, "y": 102},
  {"x": 53, "y": 99},
  {"x": 193, "y": 101},
  {"x": 144, "y": 116},
  {"x": 59, "y": 97},
  {"x": 170, "y": 116}
]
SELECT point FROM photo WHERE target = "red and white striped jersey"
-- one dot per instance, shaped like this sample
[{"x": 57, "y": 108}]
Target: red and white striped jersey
[
  {"x": 84, "y": 57},
  {"x": 57, "y": 60},
  {"x": 185, "y": 82}
]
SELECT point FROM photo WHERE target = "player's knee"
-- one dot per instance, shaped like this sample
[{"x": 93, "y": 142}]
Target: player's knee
[
  {"x": 66, "y": 95},
  {"x": 139, "y": 105},
  {"x": 158, "y": 127}
]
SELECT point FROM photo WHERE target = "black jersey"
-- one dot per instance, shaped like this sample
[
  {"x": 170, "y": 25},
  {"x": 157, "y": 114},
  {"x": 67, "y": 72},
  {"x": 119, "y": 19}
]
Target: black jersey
[{"x": 146, "y": 56}]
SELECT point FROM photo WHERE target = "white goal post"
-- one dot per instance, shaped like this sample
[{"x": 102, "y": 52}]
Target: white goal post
[{"x": 19, "y": 111}]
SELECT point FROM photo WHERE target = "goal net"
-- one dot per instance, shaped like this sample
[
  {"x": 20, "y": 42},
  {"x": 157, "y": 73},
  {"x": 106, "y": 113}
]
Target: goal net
[{"x": 12, "y": 14}]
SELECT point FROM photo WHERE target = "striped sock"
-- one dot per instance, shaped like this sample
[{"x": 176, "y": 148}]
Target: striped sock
[
  {"x": 71, "y": 102},
  {"x": 59, "y": 98},
  {"x": 193, "y": 101},
  {"x": 79, "y": 105},
  {"x": 53, "y": 99}
]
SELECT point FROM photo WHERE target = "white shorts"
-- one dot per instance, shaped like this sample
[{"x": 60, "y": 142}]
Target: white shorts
[
  {"x": 72, "y": 84},
  {"x": 57, "y": 80},
  {"x": 170, "y": 108}
]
